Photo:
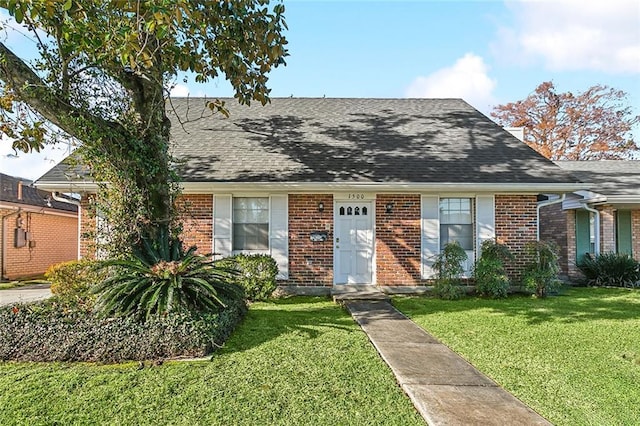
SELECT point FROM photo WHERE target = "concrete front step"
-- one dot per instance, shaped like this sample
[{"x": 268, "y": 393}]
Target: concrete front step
[{"x": 357, "y": 292}]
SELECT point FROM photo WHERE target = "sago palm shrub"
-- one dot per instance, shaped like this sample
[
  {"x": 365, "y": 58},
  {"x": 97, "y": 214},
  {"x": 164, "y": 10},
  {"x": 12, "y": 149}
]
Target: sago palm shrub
[{"x": 162, "y": 277}]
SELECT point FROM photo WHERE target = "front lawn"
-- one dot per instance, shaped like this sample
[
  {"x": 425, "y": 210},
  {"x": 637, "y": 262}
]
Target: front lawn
[
  {"x": 574, "y": 358},
  {"x": 292, "y": 361}
]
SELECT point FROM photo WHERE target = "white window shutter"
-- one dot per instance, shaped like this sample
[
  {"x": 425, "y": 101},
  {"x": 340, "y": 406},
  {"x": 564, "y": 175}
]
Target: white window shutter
[
  {"x": 485, "y": 220},
  {"x": 222, "y": 226},
  {"x": 279, "y": 233},
  {"x": 430, "y": 218}
]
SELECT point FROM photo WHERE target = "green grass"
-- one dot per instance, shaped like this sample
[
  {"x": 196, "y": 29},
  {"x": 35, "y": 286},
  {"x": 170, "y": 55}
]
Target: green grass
[
  {"x": 293, "y": 361},
  {"x": 574, "y": 358},
  {"x": 14, "y": 284}
]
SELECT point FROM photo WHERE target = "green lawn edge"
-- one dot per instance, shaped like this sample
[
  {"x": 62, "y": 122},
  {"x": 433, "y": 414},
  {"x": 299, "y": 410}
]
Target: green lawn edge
[
  {"x": 574, "y": 357},
  {"x": 292, "y": 361}
]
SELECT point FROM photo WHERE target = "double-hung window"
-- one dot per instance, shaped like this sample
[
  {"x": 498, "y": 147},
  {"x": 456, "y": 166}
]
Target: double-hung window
[
  {"x": 456, "y": 222},
  {"x": 250, "y": 224}
]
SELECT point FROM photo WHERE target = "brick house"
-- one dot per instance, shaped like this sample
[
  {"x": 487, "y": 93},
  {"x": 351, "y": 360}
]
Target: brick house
[
  {"x": 37, "y": 231},
  {"x": 352, "y": 191},
  {"x": 606, "y": 218}
]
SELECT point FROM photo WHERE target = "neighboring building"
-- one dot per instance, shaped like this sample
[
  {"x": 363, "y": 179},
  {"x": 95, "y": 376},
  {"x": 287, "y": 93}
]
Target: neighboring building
[
  {"x": 36, "y": 230},
  {"x": 351, "y": 191},
  {"x": 604, "y": 219}
]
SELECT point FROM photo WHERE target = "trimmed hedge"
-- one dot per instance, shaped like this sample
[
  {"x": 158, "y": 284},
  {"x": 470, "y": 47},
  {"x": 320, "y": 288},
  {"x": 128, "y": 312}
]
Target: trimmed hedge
[
  {"x": 74, "y": 278},
  {"x": 256, "y": 273},
  {"x": 57, "y": 330}
]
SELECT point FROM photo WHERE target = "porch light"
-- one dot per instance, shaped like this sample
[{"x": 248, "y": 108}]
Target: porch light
[
  {"x": 320, "y": 206},
  {"x": 389, "y": 208}
]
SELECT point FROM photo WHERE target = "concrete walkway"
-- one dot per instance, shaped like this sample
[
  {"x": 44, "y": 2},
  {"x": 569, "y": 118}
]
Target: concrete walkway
[
  {"x": 24, "y": 294},
  {"x": 445, "y": 388}
]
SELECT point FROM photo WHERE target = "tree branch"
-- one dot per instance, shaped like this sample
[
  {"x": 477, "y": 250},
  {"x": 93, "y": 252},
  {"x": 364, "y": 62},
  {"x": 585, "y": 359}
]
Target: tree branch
[{"x": 29, "y": 88}]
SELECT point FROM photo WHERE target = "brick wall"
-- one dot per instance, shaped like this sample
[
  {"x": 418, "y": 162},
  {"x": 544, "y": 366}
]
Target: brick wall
[
  {"x": 398, "y": 240},
  {"x": 54, "y": 239},
  {"x": 554, "y": 227},
  {"x": 197, "y": 216},
  {"x": 635, "y": 234},
  {"x": 515, "y": 227},
  {"x": 87, "y": 227},
  {"x": 310, "y": 263},
  {"x": 397, "y": 234},
  {"x": 607, "y": 229},
  {"x": 572, "y": 269}
]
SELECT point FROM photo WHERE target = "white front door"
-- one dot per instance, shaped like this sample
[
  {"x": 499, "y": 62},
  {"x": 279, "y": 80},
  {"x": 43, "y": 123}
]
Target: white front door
[{"x": 353, "y": 258}]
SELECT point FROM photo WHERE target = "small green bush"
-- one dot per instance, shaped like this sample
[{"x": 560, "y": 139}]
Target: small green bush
[
  {"x": 489, "y": 272},
  {"x": 448, "y": 266},
  {"x": 61, "y": 330},
  {"x": 74, "y": 278},
  {"x": 611, "y": 269},
  {"x": 541, "y": 273},
  {"x": 256, "y": 273}
]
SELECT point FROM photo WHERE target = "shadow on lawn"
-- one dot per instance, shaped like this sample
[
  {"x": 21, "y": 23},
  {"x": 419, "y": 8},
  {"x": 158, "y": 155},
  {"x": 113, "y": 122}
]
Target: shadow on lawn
[
  {"x": 308, "y": 317},
  {"x": 571, "y": 305}
]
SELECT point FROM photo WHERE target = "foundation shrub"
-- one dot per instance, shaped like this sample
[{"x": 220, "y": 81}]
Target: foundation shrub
[
  {"x": 255, "y": 273},
  {"x": 489, "y": 272},
  {"x": 611, "y": 269},
  {"x": 74, "y": 279},
  {"x": 541, "y": 273},
  {"x": 449, "y": 270},
  {"x": 63, "y": 330}
]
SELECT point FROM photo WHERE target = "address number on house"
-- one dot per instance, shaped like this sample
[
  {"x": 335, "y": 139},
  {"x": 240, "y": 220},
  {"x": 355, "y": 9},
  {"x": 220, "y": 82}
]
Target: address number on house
[{"x": 356, "y": 196}]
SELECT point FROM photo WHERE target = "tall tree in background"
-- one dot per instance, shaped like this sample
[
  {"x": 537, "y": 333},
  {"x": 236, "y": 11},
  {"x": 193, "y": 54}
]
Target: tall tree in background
[
  {"x": 592, "y": 125},
  {"x": 103, "y": 76}
]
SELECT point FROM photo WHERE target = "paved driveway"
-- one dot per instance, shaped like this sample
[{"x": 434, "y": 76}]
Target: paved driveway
[{"x": 24, "y": 294}]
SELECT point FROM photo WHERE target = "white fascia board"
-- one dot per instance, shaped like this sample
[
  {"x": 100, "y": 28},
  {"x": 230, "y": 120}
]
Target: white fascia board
[
  {"x": 68, "y": 187},
  {"x": 323, "y": 187},
  {"x": 616, "y": 199}
]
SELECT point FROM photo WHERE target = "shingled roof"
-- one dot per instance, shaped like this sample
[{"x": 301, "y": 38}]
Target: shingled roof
[
  {"x": 608, "y": 177},
  {"x": 27, "y": 195},
  {"x": 318, "y": 140}
]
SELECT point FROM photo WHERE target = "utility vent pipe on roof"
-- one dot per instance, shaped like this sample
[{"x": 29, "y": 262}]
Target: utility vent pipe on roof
[
  {"x": 19, "y": 190},
  {"x": 518, "y": 132}
]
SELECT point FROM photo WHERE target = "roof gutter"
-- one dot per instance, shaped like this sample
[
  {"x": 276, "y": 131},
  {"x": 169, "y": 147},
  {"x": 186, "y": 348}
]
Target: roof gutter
[
  {"x": 55, "y": 196},
  {"x": 323, "y": 187},
  {"x": 379, "y": 187},
  {"x": 596, "y": 226},
  {"x": 545, "y": 204}
]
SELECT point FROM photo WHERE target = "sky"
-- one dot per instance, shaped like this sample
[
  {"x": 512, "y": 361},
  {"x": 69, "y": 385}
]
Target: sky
[{"x": 488, "y": 52}]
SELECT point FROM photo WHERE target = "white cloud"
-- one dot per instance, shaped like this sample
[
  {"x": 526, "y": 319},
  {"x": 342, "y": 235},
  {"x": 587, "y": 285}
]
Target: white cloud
[
  {"x": 33, "y": 165},
  {"x": 179, "y": 91},
  {"x": 574, "y": 34},
  {"x": 467, "y": 79}
]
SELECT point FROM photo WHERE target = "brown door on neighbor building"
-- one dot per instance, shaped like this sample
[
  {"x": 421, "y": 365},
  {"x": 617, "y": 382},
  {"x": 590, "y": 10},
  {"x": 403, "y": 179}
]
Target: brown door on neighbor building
[{"x": 353, "y": 234}]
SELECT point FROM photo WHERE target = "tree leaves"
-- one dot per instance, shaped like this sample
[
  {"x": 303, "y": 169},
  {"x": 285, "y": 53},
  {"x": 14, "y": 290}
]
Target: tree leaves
[
  {"x": 592, "y": 125},
  {"x": 102, "y": 78}
]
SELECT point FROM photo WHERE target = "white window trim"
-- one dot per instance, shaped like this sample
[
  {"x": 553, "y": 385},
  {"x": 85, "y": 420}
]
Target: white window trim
[
  {"x": 247, "y": 251},
  {"x": 483, "y": 223},
  {"x": 277, "y": 235}
]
